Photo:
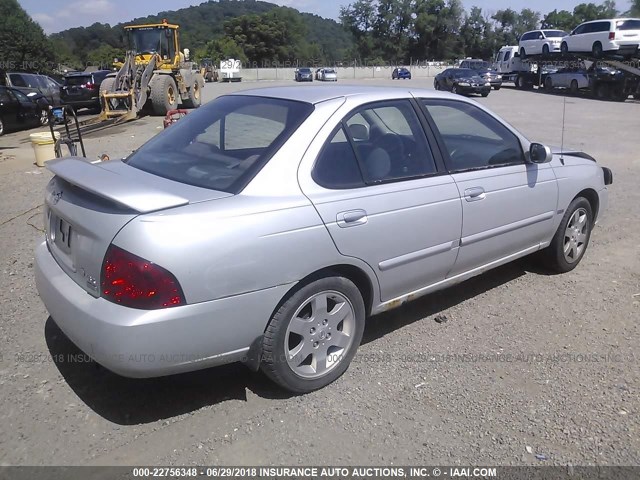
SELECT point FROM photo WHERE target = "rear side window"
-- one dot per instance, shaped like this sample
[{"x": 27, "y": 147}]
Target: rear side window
[
  {"x": 601, "y": 27},
  {"x": 223, "y": 144},
  {"x": 628, "y": 25},
  {"x": 378, "y": 143}
]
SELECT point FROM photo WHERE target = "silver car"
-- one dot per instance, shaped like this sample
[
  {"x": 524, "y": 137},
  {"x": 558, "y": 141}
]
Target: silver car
[{"x": 267, "y": 225}]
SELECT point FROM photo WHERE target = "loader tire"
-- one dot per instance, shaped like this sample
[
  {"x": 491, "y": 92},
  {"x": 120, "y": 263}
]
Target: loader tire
[
  {"x": 164, "y": 95},
  {"x": 195, "y": 96}
]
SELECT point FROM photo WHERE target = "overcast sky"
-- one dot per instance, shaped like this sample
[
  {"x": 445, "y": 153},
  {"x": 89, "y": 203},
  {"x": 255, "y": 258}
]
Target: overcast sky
[{"x": 56, "y": 15}]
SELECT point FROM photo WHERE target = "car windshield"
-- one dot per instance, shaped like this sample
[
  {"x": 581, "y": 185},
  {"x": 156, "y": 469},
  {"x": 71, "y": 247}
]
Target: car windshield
[
  {"x": 329, "y": 70},
  {"x": 76, "y": 80},
  {"x": 403, "y": 70},
  {"x": 464, "y": 72},
  {"x": 555, "y": 33},
  {"x": 628, "y": 25},
  {"x": 305, "y": 70},
  {"x": 223, "y": 144}
]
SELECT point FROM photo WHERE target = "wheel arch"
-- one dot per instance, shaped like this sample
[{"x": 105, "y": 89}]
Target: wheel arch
[
  {"x": 592, "y": 197},
  {"x": 355, "y": 274}
]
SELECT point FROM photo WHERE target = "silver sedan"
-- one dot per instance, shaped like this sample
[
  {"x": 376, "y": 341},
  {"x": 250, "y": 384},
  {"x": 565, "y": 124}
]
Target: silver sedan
[{"x": 267, "y": 225}]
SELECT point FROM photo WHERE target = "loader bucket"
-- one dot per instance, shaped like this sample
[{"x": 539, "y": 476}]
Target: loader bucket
[{"x": 120, "y": 105}]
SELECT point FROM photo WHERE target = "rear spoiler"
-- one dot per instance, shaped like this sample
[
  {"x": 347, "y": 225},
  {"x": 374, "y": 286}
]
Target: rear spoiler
[{"x": 113, "y": 186}]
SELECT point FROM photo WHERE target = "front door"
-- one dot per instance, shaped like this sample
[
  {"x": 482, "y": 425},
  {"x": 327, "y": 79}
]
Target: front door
[{"x": 508, "y": 204}]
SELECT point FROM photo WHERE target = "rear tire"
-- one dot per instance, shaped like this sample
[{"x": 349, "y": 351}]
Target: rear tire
[
  {"x": 313, "y": 336},
  {"x": 571, "y": 240},
  {"x": 548, "y": 85},
  {"x": 596, "y": 50},
  {"x": 497, "y": 88},
  {"x": 164, "y": 95},
  {"x": 195, "y": 96},
  {"x": 523, "y": 53},
  {"x": 564, "y": 48}
]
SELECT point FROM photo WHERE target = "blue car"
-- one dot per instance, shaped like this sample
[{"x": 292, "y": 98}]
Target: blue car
[{"x": 401, "y": 73}]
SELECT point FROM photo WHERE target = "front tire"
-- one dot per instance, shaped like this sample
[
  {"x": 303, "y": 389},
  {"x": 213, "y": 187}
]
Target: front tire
[
  {"x": 545, "y": 49},
  {"x": 164, "y": 95},
  {"x": 548, "y": 85},
  {"x": 454, "y": 89},
  {"x": 574, "y": 87},
  {"x": 571, "y": 240},
  {"x": 523, "y": 53},
  {"x": 564, "y": 48},
  {"x": 313, "y": 336}
]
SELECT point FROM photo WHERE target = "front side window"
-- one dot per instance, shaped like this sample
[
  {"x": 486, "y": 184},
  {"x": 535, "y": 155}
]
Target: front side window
[
  {"x": 384, "y": 141},
  {"x": 473, "y": 138},
  {"x": 223, "y": 144}
]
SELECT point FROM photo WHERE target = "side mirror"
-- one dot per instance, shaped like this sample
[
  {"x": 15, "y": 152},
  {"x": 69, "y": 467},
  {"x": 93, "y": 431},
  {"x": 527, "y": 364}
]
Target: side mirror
[{"x": 539, "y": 153}]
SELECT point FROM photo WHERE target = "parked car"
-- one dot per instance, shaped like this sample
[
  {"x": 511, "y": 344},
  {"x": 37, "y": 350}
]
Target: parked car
[
  {"x": 188, "y": 252},
  {"x": 543, "y": 42},
  {"x": 401, "y": 73},
  {"x": 82, "y": 90},
  {"x": 17, "y": 111},
  {"x": 617, "y": 35},
  {"x": 602, "y": 82},
  {"x": 327, "y": 75},
  {"x": 463, "y": 81},
  {"x": 484, "y": 70},
  {"x": 492, "y": 76},
  {"x": 303, "y": 75},
  {"x": 45, "y": 90}
]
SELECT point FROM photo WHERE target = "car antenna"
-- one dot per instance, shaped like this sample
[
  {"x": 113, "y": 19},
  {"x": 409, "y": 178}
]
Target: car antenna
[{"x": 564, "y": 109}]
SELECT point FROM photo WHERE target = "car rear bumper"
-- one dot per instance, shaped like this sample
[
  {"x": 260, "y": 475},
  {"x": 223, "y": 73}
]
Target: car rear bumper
[{"x": 150, "y": 343}]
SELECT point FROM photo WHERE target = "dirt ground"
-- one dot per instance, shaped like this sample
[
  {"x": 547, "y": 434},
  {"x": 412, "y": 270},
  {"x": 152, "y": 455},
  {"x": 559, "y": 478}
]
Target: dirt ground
[{"x": 551, "y": 366}]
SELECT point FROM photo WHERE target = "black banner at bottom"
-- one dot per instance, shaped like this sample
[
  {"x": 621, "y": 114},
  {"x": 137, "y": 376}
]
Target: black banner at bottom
[{"x": 321, "y": 473}]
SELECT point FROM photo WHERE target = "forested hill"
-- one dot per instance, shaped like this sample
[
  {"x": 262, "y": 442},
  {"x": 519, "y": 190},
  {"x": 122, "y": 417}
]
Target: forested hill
[{"x": 202, "y": 24}]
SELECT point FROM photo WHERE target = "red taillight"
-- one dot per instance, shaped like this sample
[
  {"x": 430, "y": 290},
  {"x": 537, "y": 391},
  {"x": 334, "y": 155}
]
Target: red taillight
[
  {"x": 91, "y": 86},
  {"x": 612, "y": 35},
  {"x": 137, "y": 283}
]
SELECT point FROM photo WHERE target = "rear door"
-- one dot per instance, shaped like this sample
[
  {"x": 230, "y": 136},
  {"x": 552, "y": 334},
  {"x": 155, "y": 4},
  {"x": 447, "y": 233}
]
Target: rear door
[
  {"x": 508, "y": 205},
  {"x": 375, "y": 184}
]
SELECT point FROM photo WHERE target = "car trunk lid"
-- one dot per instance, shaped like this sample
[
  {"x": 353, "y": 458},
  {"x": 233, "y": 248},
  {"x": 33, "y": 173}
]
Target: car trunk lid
[{"x": 87, "y": 204}]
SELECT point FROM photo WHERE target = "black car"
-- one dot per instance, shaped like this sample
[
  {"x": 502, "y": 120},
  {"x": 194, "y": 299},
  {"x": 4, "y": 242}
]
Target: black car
[
  {"x": 492, "y": 76},
  {"x": 17, "y": 111},
  {"x": 42, "y": 89},
  {"x": 303, "y": 75},
  {"x": 463, "y": 81},
  {"x": 82, "y": 90}
]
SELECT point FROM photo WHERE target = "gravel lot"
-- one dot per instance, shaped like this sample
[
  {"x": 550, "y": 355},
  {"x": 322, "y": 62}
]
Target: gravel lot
[{"x": 552, "y": 365}]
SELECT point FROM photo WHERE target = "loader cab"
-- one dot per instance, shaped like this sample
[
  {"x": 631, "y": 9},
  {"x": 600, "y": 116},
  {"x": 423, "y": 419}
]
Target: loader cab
[{"x": 157, "y": 39}]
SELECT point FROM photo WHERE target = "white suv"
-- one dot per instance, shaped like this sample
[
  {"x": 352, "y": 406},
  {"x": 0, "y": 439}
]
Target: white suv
[
  {"x": 618, "y": 35},
  {"x": 536, "y": 42}
]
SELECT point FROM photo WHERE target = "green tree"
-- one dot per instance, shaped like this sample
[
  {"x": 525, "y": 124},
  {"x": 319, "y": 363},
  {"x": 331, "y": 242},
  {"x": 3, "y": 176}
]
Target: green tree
[
  {"x": 104, "y": 56},
  {"x": 221, "y": 49},
  {"x": 634, "y": 11},
  {"x": 562, "y": 20},
  {"x": 23, "y": 44}
]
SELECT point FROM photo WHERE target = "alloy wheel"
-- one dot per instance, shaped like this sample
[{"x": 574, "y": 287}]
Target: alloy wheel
[
  {"x": 320, "y": 334},
  {"x": 576, "y": 235}
]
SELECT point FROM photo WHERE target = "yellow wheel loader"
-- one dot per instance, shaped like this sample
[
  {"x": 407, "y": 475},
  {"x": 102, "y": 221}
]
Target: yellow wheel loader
[{"x": 154, "y": 73}]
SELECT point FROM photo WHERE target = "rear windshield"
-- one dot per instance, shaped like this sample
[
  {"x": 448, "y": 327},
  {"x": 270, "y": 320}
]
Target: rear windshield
[
  {"x": 223, "y": 144},
  {"x": 77, "y": 80},
  {"x": 628, "y": 25}
]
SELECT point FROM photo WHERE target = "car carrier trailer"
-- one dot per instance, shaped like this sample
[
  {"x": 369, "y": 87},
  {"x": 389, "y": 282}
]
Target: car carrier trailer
[{"x": 532, "y": 72}]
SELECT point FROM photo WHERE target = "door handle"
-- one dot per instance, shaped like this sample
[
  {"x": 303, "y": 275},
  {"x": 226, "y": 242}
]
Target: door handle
[
  {"x": 351, "y": 218},
  {"x": 474, "y": 194}
]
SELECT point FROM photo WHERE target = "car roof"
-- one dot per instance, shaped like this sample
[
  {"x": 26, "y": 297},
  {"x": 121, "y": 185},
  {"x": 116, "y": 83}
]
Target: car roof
[
  {"x": 611, "y": 20},
  {"x": 84, "y": 74},
  {"x": 317, "y": 94}
]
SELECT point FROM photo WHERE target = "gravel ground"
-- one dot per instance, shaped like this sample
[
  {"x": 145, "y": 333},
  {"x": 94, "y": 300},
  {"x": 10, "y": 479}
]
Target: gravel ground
[{"x": 545, "y": 365}]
